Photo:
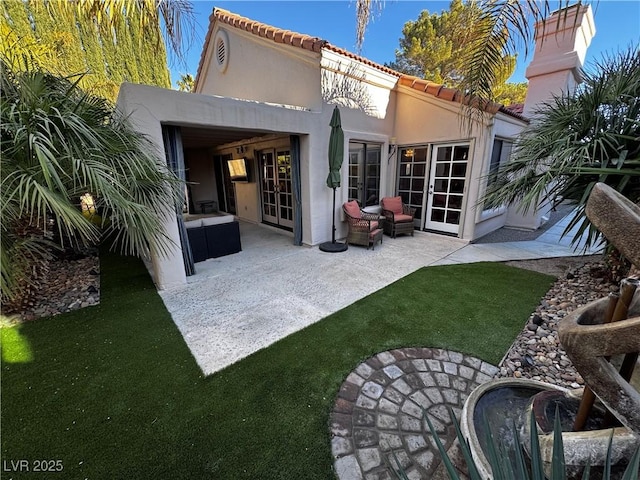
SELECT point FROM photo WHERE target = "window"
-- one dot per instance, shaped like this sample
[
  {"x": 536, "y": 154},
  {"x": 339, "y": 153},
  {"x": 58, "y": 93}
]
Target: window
[
  {"x": 499, "y": 156},
  {"x": 364, "y": 173}
]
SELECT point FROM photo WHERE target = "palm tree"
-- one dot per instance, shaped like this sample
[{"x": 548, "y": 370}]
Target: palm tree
[
  {"x": 576, "y": 140},
  {"x": 58, "y": 144}
]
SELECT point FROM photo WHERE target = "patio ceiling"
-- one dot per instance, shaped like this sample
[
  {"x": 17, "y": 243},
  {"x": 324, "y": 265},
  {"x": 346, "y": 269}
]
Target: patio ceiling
[{"x": 203, "y": 137}]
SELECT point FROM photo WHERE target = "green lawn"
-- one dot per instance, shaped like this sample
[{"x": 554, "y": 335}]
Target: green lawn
[{"x": 114, "y": 392}]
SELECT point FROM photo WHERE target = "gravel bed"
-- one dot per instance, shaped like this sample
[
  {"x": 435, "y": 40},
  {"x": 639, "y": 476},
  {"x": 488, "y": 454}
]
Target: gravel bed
[{"x": 536, "y": 353}]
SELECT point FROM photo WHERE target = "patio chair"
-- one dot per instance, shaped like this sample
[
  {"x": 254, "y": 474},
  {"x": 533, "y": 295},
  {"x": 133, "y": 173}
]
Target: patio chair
[
  {"x": 398, "y": 216},
  {"x": 364, "y": 228}
]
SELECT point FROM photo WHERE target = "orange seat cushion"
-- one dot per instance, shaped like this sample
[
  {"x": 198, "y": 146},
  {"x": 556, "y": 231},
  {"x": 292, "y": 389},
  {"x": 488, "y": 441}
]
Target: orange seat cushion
[
  {"x": 401, "y": 218},
  {"x": 353, "y": 209},
  {"x": 392, "y": 203}
]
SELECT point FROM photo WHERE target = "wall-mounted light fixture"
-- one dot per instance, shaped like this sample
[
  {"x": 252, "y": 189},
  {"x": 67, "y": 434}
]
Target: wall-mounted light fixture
[
  {"x": 87, "y": 203},
  {"x": 393, "y": 148}
]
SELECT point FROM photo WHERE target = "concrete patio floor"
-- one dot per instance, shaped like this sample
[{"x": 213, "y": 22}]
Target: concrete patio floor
[{"x": 241, "y": 303}]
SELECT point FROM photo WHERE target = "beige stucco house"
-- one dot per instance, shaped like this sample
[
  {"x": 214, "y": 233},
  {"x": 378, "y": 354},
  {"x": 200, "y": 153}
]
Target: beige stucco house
[{"x": 265, "y": 96}]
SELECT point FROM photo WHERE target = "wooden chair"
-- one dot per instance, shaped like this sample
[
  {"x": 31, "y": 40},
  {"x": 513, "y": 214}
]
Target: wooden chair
[
  {"x": 364, "y": 228},
  {"x": 398, "y": 216}
]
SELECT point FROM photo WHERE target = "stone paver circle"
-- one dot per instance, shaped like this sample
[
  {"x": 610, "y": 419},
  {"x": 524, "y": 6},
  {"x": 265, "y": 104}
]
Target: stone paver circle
[{"x": 377, "y": 419}]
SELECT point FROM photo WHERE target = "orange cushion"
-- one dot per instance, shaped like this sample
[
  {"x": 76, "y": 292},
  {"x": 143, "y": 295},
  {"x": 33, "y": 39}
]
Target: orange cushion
[
  {"x": 402, "y": 218},
  {"x": 392, "y": 203},
  {"x": 353, "y": 209}
]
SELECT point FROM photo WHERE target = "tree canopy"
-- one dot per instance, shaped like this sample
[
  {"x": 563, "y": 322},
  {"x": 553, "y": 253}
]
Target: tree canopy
[
  {"x": 108, "y": 42},
  {"x": 186, "y": 82},
  {"x": 436, "y": 47},
  {"x": 506, "y": 26}
]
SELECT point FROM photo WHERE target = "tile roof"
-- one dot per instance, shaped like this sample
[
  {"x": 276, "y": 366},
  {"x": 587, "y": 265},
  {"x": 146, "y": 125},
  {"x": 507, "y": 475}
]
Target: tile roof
[
  {"x": 315, "y": 44},
  {"x": 515, "y": 108}
]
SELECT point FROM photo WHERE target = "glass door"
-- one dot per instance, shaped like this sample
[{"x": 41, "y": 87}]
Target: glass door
[
  {"x": 277, "y": 193},
  {"x": 364, "y": 173},
  {"x": 412, "y": 179},
  {"x": 226, "y": 189},
  {"x": 446, "y": 188}
]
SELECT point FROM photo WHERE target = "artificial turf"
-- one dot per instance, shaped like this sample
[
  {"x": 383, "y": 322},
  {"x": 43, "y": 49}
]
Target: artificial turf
[{"x": 113, "y": 392}]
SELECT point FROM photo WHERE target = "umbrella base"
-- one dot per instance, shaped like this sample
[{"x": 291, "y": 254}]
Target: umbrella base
[{"x": 333, "y": 247}]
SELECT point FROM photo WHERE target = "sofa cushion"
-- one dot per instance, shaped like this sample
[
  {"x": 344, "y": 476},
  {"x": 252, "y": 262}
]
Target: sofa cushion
[
  {"x": 217, "y": 220},
  {"x": 193, "y": 223},
  {"x": 393, "y": 204},
  {"x": 353, "y": 209},
  {"x": 373, "y": 226},
  {"x": 401, "y": 218}
]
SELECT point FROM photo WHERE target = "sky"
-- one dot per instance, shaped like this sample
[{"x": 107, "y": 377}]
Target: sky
[{"x": 617, "y": 26}]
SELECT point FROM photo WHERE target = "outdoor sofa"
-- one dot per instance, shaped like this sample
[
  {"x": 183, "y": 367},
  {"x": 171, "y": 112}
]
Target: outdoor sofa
[{"x": 213, "y": 237}]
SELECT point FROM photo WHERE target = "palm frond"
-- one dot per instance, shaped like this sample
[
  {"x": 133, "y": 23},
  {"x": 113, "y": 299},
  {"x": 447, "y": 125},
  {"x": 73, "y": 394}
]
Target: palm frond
[
  {"x": 576, "y": 140},
  {"x": 60, "y": 143}
]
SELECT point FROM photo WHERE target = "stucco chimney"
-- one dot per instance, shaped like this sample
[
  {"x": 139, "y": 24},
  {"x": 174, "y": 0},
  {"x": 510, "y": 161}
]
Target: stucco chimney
[{"x": 561, "y": 45}]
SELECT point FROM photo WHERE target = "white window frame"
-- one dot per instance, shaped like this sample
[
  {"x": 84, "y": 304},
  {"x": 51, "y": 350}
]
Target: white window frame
[{"x": 494, "y": 163}]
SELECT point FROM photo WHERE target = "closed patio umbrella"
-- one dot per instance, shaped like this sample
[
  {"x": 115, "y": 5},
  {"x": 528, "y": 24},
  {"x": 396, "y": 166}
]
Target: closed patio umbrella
[{"x": 336, "y": 155}]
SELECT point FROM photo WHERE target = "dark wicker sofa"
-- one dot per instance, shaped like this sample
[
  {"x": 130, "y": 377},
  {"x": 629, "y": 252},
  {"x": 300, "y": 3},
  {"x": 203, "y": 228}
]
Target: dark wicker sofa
[{"x": 213, "y": 237}]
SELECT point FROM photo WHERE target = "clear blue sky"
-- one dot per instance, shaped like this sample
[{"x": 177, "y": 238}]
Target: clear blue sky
[{"x": 617, "y": 25}]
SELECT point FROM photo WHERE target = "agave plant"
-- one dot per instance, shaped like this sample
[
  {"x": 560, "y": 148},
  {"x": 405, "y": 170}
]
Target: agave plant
[
  {"x": 59, "y": 143},
  {"x": 577, "y": 140},
  {"x": 510, "y": 463}
]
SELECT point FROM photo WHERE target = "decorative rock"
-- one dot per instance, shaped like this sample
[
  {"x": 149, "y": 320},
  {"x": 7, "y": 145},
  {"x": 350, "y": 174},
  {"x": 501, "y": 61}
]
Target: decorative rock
[
  {"x": 66, "y": 284},
  {"x": 539, "y": 338}
]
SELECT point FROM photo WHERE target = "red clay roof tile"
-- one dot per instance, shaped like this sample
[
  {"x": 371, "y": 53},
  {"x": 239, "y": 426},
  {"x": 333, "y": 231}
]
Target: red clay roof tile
[{"x": 515, "y": 108}]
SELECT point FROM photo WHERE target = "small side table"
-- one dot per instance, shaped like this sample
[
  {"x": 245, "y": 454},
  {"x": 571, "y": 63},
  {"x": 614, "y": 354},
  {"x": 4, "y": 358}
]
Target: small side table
[{"x": 204, "y": 204}]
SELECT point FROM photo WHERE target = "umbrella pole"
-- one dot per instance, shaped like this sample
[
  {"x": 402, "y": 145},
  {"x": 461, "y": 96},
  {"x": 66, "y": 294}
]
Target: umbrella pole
[
  {"x": 333, "y": 246},
  {"x": 333, "y": 220}
]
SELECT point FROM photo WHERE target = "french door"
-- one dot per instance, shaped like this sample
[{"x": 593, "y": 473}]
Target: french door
[
  {"x": 277, "y": 194},
  {"x": 412, "y": 179},
  {"x": 364, "y": 173},
  {"x": 225, "y": 187},
  {"x": 446, "y": 187}
]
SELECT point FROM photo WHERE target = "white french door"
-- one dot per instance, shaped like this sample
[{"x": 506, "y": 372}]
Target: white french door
[
  {"x": 277, "y": 192},
  {"x": 446, "y": 188},
  {"x": 364, "y": 173},
  {"x": 412, "y": 179}
]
